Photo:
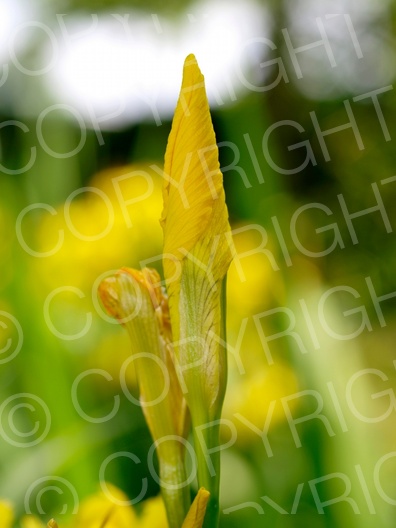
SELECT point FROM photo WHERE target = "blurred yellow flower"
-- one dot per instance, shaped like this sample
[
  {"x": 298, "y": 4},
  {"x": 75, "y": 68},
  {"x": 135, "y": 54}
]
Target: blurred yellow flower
[
  {"x": 117, "y": 221},
  {"x": 102, "y": 510},
  {"x": 96, "y": 508},
  {"x": 252, "y": 395},
  {"x": 6, "y": 514},
  {"x": 153, "y": 514},
  {"x": 29, "y": 521},
  {"x": 252, "y": 273}
]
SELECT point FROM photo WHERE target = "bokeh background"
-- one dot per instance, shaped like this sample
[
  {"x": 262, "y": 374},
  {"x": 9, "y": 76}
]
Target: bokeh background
[{"x": 88, "y": 91}]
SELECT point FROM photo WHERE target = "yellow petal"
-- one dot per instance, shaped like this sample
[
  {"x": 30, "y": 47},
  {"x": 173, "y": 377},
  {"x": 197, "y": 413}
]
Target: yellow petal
[
  {"x": 196, "y": 514},
  {"x": 194, "y": 203},
  {"x": 196, "y": 235}
]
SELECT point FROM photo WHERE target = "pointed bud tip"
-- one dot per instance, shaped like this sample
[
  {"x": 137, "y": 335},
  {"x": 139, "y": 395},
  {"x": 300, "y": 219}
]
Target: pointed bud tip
[
  {"x": 196, "y": 513},
  {"x": 190, "y": 59},
  {"x": 203, "y": 492}
]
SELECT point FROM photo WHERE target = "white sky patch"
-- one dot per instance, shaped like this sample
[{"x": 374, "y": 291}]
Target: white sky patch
[
  {"x": 359, "y": 34},
  {"x": 13, "y": 14},
  {"x": 128, "y": 67},
  {"x": 114, "y": 69}
]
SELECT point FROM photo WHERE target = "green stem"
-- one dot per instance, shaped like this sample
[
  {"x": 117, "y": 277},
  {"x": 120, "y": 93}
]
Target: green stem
[
  {"x": 207, "y": 443},
  {"x": 174, "y": 488},
  {"x": 208, "y": 459}
]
